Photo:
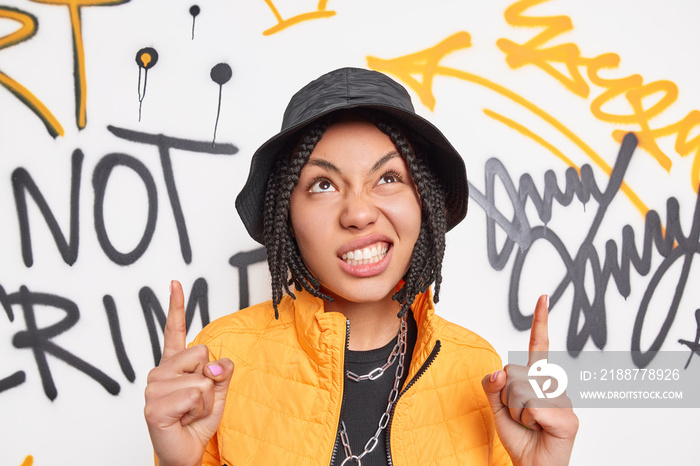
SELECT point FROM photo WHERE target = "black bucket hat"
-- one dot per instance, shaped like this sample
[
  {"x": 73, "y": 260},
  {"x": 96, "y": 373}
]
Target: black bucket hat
[{"x": 353, "y": 88}]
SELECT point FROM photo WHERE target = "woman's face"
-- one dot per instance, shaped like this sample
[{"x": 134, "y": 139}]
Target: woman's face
[{"x": 355, "y": 213}]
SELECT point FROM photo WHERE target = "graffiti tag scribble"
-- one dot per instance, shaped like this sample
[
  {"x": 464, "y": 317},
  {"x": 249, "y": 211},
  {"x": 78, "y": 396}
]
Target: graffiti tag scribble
[
  {"x": 539, "y": 52},
  {"x": 672, "y": 245}
]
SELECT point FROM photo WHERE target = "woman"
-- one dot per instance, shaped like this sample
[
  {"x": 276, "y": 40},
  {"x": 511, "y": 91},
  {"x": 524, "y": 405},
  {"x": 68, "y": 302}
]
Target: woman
[{"x": 352, "y": 200}]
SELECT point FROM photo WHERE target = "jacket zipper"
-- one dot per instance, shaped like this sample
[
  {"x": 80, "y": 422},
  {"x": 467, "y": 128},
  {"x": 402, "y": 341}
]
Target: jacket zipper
[
  {"x": 342, "y": 401},
  {"x": 421, "y": 371}
]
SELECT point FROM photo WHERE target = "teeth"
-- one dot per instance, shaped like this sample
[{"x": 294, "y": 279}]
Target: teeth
[{"x": 368, "y": 255}]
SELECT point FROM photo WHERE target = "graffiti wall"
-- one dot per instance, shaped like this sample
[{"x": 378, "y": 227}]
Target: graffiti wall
[{"x": 126, "y": 131}]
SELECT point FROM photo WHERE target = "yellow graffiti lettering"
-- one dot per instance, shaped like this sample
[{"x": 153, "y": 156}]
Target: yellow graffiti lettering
[
  {"x": 27, "y": 30},
  {"x": 533, "y": 53},
  {"x": 426, "y": 65},
  {"x": 635, "y": 92},
  {"x": 646, "y": 101},
  {"x": 74, "y": 7},
  {"x": 282, "y": 23},
  {"x": 615, "y": 87},
  {"x": 641, "y": 115},
  {"x": 533, "y": 136},
  {"x": 423, "y": 63},
  {"x": 685, "y": 145}
]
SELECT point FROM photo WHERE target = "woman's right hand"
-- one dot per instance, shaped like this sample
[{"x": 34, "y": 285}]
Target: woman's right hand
[{"x": 185, "y": 394}]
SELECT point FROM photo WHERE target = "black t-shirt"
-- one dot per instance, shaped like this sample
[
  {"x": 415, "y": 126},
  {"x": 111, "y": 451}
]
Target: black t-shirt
[{"x": 365, "y": 402}]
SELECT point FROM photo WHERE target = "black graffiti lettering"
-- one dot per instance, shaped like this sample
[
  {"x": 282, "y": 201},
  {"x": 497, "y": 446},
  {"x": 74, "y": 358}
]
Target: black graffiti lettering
[
  {"x": 694, "y": 346},
  {"x": 117, "y": 341},
  {"x": 14, "y": 380},
  {"x": 19, "y": 377},
  {"x": 241, "y": 261},
  {"x": 688, "y": 247},
  {"x": 672, "y": 246},
  {"x": 100, "y": 178},
  {"x": 594, "y": 323},
  {"x": 39, "y": 339},
  {"x": 164, "y": 144},
  {"x": 6, "y": 305},
  {"x": 198, "y": 297},
  {"x": 518, "y": 229},
  {"x": 23, "y": 183},
  {"x": 79, "y": 73}
]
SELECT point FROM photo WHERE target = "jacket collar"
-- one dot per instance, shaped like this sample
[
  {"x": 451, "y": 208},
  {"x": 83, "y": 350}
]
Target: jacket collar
[
  {"x": 323, "y": 333},
  {"x": 423, "y": 310},
  {"x": 319, "y": 333}
]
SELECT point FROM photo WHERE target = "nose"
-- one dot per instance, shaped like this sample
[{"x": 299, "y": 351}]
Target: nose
[{"x": 358, "y": 212}]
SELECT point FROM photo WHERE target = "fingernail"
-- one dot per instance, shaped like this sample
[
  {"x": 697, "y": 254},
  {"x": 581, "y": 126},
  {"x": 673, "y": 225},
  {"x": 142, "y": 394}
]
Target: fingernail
[
  {"x": 215, "y": 370},
  {"x": 547, "y": 301},
  {"x": 170, "y": 288},
  {"x": 494, "y": 375}
]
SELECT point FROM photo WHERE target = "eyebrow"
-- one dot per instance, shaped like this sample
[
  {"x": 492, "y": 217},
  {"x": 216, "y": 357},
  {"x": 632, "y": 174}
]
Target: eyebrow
[
  {"x": 324, "y": 164},
  {"x": 330, "y": 167},
  {"x": 383, "y": 161}
]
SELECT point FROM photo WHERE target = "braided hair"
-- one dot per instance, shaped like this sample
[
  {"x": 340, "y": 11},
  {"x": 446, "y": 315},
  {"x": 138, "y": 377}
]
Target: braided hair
[{"x": 283, "y": 256}]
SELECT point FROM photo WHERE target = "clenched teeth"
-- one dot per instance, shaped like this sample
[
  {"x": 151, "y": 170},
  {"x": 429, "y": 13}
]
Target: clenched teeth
[{"x": 368, "y": 255}]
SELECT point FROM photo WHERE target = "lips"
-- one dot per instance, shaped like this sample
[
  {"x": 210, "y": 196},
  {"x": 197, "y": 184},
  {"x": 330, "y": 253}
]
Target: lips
[{"x": 366, "y": 257}]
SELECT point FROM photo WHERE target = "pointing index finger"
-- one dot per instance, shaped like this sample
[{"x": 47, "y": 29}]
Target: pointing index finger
[
  {"x": 539, "y": 333},
  {"x": 175, "y": 333}
]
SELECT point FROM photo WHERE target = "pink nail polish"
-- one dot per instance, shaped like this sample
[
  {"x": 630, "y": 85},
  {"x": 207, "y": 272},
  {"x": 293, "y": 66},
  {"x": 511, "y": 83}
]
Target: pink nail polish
[
  {"x": 494, "y": 375},
  {"x": 216, "y": 370}
]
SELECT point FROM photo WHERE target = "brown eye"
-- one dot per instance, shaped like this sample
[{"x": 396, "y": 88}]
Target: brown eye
[
  {"x": 389, "y": 177},
  {"x": 322, "y": 186}
]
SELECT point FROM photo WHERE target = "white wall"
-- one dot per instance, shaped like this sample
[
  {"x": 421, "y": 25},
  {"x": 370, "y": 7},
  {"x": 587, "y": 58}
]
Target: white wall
[{"x": 94, "y": 411}]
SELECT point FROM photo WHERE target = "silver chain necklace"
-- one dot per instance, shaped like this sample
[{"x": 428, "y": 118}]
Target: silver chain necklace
[
  {"x": 400, "y": 352},
  {"x": 379, "y": 371}
]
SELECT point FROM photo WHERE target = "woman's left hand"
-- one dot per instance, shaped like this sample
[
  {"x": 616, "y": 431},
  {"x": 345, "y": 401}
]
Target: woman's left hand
[{"x": 534, "y": 431}]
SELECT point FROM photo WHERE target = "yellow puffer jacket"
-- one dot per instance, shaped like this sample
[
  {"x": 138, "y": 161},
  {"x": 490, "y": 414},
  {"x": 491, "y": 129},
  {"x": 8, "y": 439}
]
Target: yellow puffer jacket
[{"x": 284, "y": 400}]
